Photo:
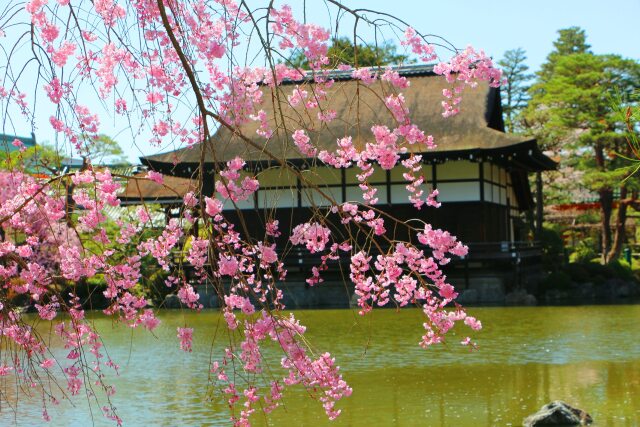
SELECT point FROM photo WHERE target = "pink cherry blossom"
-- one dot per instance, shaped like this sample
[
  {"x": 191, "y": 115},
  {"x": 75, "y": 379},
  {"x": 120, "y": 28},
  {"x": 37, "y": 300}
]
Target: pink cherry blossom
[
  {"x": 213, "y": 206},
  {"x": 186, "y": 337},
  {"x": 313, "y": 235},
  {"x": 155, "y": 177},
  {"x": 175, "y": 84},
  {"x": 301, "y": 140},
  {"x": 190, "y": 200}
]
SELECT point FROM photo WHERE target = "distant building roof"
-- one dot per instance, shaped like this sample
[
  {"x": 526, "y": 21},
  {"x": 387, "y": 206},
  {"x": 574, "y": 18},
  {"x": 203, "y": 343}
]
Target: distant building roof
[
  {"x": 71, "y": 163},
  {"x": 478, "y": 131},
  {"x": 6, "y": 141},
  {"x": 171, "y": 191}
]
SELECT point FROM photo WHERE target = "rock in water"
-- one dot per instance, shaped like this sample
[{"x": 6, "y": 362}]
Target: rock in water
[{"x": 558, "y": 413}]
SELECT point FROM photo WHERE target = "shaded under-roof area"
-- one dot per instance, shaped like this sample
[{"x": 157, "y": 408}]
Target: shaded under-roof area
[{"x": 477, "y": 130}]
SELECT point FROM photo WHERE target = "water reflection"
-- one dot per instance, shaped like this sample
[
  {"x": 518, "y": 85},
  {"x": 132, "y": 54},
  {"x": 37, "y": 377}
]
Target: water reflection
[
  {"x": 589, "y": 356},
  {"x": 482, "y": 395}
]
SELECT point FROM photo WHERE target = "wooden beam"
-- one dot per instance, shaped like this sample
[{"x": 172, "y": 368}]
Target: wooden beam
[{"x": 539, "y": 207}]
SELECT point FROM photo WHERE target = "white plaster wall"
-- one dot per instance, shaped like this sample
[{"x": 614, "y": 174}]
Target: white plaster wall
[
  {"x": 458, "y": 191},
  {"x": 309, "y": 195},
  {"x": 354, "y": 194},
  {"x": 458, "y": 169},
  {"x": 279, "y": 198}
]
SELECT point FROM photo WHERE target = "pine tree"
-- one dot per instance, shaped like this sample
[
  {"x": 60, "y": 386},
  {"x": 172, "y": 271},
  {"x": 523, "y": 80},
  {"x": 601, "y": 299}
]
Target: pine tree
[
  {"x": 570, "y": 41},
  {"x": 573, "y": 110},
  {"x": 342, "y": 51},
  {"x": 516, "y": 90}
]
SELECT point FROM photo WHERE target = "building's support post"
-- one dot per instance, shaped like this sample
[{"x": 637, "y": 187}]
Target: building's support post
[
  {"x": 539, "y": 207},
  {"x": 481, "y": 179},
  {"x": 167, "y": 214},
  {"x": 343, "y": 181},
  {"x": 466, "y": 271},
  {"x": 388, "y": 178},
  {"x": 434, "y": 176},
  {"x": 483, "y": 198},
  {"x": 208, "y": 184},
  {"x": 509, "y": 234}
]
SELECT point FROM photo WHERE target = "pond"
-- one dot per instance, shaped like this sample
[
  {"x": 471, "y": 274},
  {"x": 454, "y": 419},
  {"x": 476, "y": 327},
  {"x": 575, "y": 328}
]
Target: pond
[{"x": 588, "y": 356}]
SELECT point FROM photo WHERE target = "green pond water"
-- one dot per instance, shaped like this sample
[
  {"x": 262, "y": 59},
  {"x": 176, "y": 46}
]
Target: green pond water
[{"x": 588, "y": 356}]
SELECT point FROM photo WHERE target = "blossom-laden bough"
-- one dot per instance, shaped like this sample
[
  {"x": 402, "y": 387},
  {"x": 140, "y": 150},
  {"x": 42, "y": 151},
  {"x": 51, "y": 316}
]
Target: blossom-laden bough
[{"x": 172, "y": 70}]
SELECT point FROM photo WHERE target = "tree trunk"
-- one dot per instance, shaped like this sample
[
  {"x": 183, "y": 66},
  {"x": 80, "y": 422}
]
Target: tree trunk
[
  {"x": 539, "y": 206},
  {"x": 619, "y": 230},
  {"x": 606, "y": 206},
  {"x": 70, "y": 187}
]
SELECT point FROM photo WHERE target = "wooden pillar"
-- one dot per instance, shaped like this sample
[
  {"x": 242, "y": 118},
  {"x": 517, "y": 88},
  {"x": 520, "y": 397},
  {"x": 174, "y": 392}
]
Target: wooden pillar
[
  {"x": 481, "y": 179},
  {"x": 509, "y": 236},
  {"x": 539, "y": 207},
  {"x": 466, "y": 271},
  {"x": 167, "y": 214},
  {"x": 483, "y": 197},
  {"x": 343, "y": 181},
  {"x": 208, "y": 183},
  {"x": 299, "y": 188},
  {"x": 434, "y": 176},
  {"x": 388, "y": 178}
]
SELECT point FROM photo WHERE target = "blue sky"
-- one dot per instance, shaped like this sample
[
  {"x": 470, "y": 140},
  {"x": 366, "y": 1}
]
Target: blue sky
[
  {"x": 500, "y": 25},
  {"x": 494, "y": 26}
]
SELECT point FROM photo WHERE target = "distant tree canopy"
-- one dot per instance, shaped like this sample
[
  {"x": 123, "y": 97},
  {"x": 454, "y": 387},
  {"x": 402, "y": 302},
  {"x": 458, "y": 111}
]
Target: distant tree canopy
[
  {"x": 342, "y": 51},
  {"x": 43, "y": 158},
  {"x": 516, "y": 90},
  {"x": 580, "y": 98},
  {"x": 570, "y": 41},
  {"x": 574, "y": 111},
  {"x": 105, "y": 150}
]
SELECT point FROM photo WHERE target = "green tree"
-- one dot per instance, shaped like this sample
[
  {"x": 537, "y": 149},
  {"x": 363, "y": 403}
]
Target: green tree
[
  {"x": 106, "y": 151},
  {"x": 578, "y": 111},
  {"x": 43, "y": 158},
  {"x": 534, "y": 118},
  {"x": 517, "y": 87},
  {"x": 342, "y": 51},
  {"x": 570, "y": 41}
]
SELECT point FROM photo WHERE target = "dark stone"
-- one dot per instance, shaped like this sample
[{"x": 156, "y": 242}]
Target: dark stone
[
  {"x": 468, "y": 296},
  {"x": 557, "y": 296},
  {"x": 520, "y": 297},
  {"x": 558, "y": 413},
  {"x": 485, "y": 290}
]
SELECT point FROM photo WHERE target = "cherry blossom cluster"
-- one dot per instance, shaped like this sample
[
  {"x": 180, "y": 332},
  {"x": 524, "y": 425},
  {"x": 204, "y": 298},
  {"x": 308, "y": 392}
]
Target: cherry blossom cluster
[
  {"x": 413, "y": 165},
  {"x": 466, "y": 68},
  {"x": 177, "y": 80},
  {"x": 253, "y": 270},
  {"x": 310, "y": 38},
  {"x": 231, "y": 187},
  {"x": 319, "y": 375}
]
